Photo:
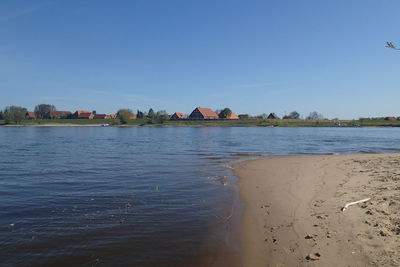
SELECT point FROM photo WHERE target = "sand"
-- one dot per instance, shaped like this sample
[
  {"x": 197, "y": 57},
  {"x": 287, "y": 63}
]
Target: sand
[{"x": 293, "y": 211}]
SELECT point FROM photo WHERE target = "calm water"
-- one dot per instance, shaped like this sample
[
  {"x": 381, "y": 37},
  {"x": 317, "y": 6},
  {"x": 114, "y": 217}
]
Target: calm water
[{"x": 143, "y": 196}]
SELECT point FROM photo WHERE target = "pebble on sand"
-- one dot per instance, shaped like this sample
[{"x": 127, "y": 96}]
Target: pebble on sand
[{"x": 313, "y": 256}]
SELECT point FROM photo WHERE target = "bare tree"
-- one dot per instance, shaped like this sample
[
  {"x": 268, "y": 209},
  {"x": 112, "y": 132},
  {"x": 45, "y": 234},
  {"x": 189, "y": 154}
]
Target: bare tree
[
  {"x": 391, "y": 46},
  {"x": 315, "y": 116},
  {"x": 43, "y": 111}
]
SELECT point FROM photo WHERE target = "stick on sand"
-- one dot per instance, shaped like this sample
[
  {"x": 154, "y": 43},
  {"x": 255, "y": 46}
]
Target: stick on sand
[{"x": 355, "y": 202}]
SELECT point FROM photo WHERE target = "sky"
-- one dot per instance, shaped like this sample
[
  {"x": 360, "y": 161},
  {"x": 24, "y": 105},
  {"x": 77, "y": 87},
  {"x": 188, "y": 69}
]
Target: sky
[{"x": 251, "y": 56}]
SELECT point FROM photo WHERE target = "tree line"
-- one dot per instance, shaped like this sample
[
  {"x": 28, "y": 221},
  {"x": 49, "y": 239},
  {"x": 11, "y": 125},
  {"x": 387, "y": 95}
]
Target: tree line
[
  {"x": 16, "y": 114},
  {"x": 294, "y": 115},
  {"x": 151, "y": 117}
]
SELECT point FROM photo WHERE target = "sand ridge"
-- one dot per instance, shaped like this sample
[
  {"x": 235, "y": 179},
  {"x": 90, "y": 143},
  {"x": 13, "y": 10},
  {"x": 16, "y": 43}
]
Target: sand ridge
[{"x": 293, "y": 211}]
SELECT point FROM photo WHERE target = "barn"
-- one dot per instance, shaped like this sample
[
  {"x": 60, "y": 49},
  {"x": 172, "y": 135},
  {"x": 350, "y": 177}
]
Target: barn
[
  {"x": 273, "y": 116},
  {"x": 231, "y": 116},
  {"x": 177, "y": 116},
  {"x": 83, "y": 114},
  {"x": 203, "y": 114}
]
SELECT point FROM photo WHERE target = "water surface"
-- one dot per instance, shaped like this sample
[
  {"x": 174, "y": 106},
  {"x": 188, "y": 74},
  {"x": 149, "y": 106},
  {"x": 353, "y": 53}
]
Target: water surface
[{"x": 141, "y": 196}]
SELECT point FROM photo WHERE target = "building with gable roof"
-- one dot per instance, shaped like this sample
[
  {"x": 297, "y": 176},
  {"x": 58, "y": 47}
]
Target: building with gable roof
[{"x": 203, "y": 114}]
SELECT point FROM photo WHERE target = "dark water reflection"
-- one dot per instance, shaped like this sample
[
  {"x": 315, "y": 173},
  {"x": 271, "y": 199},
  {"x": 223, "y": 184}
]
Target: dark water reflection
[{"x": 83, "y": 196}]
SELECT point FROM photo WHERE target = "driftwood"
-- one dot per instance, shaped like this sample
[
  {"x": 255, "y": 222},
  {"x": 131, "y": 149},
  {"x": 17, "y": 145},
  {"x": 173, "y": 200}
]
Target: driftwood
[{"x": 355, "y": 202}]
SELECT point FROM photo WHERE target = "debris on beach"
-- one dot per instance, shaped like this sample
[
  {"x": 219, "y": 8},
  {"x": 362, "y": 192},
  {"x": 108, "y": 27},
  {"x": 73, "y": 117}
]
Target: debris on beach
[
  {"x": 353, "y": 203},
  {"x": 313, "y": 256}
]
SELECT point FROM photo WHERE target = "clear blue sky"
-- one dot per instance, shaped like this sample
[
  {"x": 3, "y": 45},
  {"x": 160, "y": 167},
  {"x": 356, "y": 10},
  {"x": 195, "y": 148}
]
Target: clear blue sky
[{"x": 252, "y": 56}]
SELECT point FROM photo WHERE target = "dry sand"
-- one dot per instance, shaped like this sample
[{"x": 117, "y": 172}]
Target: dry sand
[{"x": 293, "y": 209}]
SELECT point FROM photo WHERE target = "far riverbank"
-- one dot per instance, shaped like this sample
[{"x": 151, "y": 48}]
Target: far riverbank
[{"x": 213, "y": 123}]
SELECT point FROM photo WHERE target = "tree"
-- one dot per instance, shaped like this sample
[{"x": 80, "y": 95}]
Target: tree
[
  {"x": 262, "y": 116},
  {"x": 94, "y": 112},
  {"x": 14, "y": 114},
  {"x": 1, "y": 115},
  {"x": 293, "y": 115},
  {"x": 391, "y": 45},
  {"x": 43, "y": 111},
  {"x": 151, "y": 114},
  {"x": 315, "y": 116},
  {"x": 158, "y": 117},
  {"x": 139, "y": 114},
  {"x": 225, "y": 113},
  {"x": 124, "y": 115},
  {"x": 162, "y": 116}
]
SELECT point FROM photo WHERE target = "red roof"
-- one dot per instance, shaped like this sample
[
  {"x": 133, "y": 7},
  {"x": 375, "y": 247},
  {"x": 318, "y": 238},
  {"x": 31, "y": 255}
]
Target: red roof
[
  {"x": 207, "y": 113},
  {"x": 31, "y": 115},
  {"x": 83, "y": 114},
  {"x": 100, "y": 116},
  {"x": 78, "y": 112},
  {"x": 179, "y": 115},
  {"x": 86, "y": 116},
  {"x": 391, "y": 118},
  {"x": 232, "y": 116}
]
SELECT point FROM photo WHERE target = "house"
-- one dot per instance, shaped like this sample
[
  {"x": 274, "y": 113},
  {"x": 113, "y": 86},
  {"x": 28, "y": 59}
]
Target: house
[
  {"x": 203, "y": 114},
  {"x": 231, "y": 116},
  {"x": 100, "y": 116},
  {"x": 244, "y": 116},
  {"x": 30, "y": 115},
  {"x": 272, "y": 116},
  {"x": 391, "y": 118},
  {"x": 59, "y": 114},
  {"x": 133, "y": 117},
  {"x": 83, "y": 114},
  {"x": 112, "y": 116},
  {"x": 178, "y": 116}
]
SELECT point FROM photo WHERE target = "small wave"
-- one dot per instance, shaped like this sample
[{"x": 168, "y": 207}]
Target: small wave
[
  {"x": 248, "y": 155},
  {"x": 392, "y": 149}
]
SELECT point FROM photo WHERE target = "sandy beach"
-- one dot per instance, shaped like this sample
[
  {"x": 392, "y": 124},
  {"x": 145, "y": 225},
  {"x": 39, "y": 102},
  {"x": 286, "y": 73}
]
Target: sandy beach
[{"x": 293, "y": 211}]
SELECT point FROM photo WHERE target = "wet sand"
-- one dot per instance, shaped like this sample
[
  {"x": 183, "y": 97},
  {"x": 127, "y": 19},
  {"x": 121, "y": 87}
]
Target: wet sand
[{"x": 293, "y": 211}]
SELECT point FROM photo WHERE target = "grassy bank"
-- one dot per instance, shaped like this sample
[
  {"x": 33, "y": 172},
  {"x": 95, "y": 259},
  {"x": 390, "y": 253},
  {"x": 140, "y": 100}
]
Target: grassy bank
[
  {"x": 70, "y": 121},
  {"x": 215, "y": 123}
]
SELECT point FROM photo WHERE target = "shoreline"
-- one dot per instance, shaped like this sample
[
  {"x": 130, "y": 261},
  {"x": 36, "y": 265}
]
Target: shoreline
[
  {"x": 182, "y": 125},
  {"x": 293, "y": 217},
  {"x": 54, "y": 125}
]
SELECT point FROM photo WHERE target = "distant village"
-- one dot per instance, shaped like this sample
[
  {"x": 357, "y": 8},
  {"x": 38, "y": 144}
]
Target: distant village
[{"x": 198, "y": 113}]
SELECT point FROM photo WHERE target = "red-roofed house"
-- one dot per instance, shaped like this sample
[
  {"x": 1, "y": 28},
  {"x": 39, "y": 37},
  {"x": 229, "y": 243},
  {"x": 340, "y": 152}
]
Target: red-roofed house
[
  {"x": 178, "y": 116},
  {"x": 100, "y": 116},
  {"x": 133, "y": 117},
  {"x": 59, "y": 114},
  {"x": 231, "y": 116},
  {"x": 83, "y": 114},
  {"x": 203, "y": 114},
  {"x": 113, "y": 116},
  {"x": 391, "y": 118},
  {"x": 30, "y": 115}
]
